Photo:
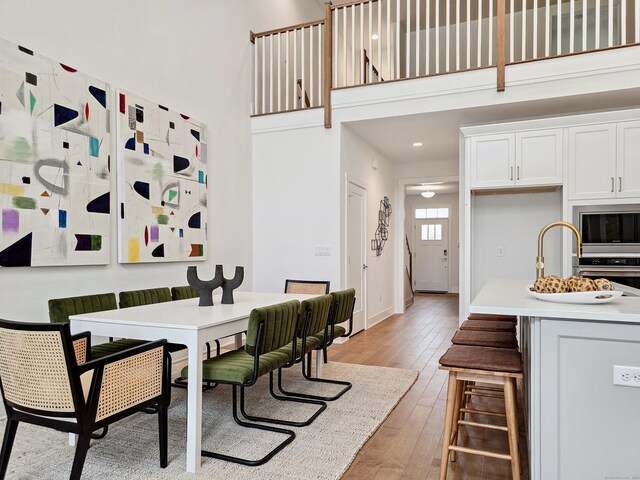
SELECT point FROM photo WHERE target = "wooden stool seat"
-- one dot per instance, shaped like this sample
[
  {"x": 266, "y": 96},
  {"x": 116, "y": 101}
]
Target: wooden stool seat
[
  {"x": 488, "y": 365},
  {"x": 488, "y": 326},
  {"x": 493, "y": 317},
  {"x": 482, "y": 358},
  {"x": 479, "y": 338}
]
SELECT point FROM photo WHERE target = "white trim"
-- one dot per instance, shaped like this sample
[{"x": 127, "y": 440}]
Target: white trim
[{"x": 380, "y": 317}]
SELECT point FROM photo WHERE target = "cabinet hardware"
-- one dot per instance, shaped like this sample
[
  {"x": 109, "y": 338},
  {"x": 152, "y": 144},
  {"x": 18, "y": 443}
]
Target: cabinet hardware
[
  {"x": 518, "y": 172},
  {"x": 511, "y": 173},
  {"x": 619, "y": 184},
  {"x": 612, "y": 184}
]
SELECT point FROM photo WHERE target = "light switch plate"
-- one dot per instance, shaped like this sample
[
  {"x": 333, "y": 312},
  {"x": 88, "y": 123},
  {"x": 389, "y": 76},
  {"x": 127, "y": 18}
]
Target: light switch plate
[{"x": 322, "y": 251}]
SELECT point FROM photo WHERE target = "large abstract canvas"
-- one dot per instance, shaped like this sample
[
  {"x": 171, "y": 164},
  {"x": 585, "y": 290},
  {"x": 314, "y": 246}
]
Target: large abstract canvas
[
  {"x": 54, "y": 163},
  {"x": 162, "y": 183}
]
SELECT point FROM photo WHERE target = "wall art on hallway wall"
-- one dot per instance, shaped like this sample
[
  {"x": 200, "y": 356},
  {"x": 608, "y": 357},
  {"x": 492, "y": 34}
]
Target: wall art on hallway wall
[
  {"x": 54, "y": 162},
  {"x": 162, "y": 183}
]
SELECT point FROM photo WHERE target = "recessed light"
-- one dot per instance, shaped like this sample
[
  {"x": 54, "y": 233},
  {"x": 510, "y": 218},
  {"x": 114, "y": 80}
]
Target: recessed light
[
  {"x": 417, "y": 144},
  {"x": 374, "y": 36}
]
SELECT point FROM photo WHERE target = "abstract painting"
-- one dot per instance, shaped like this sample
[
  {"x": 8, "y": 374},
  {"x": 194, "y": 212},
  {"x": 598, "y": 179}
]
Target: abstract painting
[
  {"x": 54, "y": 163},
  {"x": 162, "y": 183}
]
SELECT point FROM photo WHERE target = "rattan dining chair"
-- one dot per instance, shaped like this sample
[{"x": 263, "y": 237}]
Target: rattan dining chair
[
  {"x": 317, "y": 287},
  {"x": 270, "y": 345},
  {"x": 43, "y": 384}
]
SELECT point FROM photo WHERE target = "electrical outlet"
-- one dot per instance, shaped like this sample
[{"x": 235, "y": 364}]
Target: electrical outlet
[
  {"x": 626, "y": 376},
  {"x": 501, "y": 251},
  {"x": 322, "y": 251}
]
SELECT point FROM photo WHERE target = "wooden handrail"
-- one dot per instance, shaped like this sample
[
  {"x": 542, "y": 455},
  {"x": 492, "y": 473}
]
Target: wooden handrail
[
  {"x": 373, "y": 67},
  {"x": 406, "y": 239},
  {"x": 307, "y": 103},
  {"x": 352, "y": 3},
  {"x": 327, "y": 64},
  {"x": 501, "y": 44},
  {"x": 290, "y": 28}
]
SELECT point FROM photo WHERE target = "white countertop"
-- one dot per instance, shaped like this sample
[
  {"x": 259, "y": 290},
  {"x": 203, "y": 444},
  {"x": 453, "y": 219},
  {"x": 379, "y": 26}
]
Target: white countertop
[{"x": 510, "y": 297}]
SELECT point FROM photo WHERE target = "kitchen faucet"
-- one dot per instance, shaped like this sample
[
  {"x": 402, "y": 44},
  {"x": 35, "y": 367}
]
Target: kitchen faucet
[{"x": 540, "y": 259}]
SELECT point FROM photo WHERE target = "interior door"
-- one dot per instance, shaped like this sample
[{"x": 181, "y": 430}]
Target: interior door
[
  {"x": 431, "y": 256},
  {"x": 356, "y": 253}
]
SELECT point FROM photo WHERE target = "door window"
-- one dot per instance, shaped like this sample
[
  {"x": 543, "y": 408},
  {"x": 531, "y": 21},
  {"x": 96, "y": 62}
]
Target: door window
[{"x": 431, "y": 232}]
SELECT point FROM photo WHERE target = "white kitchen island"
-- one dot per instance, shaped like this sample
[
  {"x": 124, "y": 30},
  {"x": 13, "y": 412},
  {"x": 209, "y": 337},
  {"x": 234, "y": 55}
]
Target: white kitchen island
[{"x": 580, "y": 425}]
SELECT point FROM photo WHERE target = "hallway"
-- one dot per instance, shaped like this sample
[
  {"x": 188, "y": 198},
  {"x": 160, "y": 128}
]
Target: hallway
[{"x": 408, "y": 444}]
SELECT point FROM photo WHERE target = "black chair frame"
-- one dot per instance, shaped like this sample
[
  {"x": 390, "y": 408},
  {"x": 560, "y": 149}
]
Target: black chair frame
[
  {"x": 289, "y": 433},
  {"x": 85, "y": 412},
  {"x": 305, "y": 359}
]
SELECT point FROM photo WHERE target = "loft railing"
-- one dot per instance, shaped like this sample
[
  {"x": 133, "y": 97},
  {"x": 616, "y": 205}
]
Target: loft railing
[{"x": 373, "y": 41}]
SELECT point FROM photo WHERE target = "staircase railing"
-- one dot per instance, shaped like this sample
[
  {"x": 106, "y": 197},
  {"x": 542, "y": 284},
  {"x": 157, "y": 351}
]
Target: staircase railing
[
  {"x": 410, "y": 268},
  {"x": 421, "y": 38}
]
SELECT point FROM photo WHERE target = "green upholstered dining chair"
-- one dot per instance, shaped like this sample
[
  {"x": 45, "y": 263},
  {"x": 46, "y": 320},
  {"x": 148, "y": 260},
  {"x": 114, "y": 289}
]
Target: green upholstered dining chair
[
  {"x": 312, "y": 330},
  {"x": 344, "y": 302},
  {"x": 184, "y": 292},
  {"x": 61, "y": 308},
  {"x": 148, "y": 296},
  {"x": 270, "y": 345},
  {"x": 49, "y": 388}
]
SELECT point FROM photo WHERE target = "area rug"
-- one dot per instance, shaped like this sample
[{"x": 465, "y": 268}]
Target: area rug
[{"x": 323, "y": 450}]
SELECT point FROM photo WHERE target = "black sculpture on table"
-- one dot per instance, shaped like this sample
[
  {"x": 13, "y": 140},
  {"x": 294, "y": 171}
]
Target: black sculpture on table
[{"x": 206, "y": 287}]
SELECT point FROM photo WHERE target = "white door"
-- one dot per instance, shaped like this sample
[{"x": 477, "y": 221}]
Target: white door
[
  {"x": 431, "y": 256},
  {"x": 356, "y": 256}
]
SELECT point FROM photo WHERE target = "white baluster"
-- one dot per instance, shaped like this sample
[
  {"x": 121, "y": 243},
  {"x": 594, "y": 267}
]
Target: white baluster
[
  {"x": 436, "y": 32},
  {"x": 585, "y": 24},
  {"x": 490, "y": 60},
  {"x": 279, "y": 107},
  {"x": 287, "y": 72},
  {"x": 597, "y": 24},
  {"x": 255, "y": 76},
  {"x": 270, "y": 73},
  {"x": 408, "y": 52},
  {"x": 610, "y": 24},
  {"x": 469, "y": 33},
  {"x": 353, "y": 45},
  {"x": 379, "y": 44},
  {"x": 417, "y": 38},
  {"x": 447, "y": 39},
  {"x": 311, "y": 77},
  {"x": 547, "y": 30},
  {"x": 572, "y": 25},
  {"x": 535, "y": 29},
  {"x": 512, "y": 33},
  {"x": 479, "y": 60},
  {"x": 457, "y": 34},
  {"x": 524, "y": 30},
  {"x": 559, "y": 29}
]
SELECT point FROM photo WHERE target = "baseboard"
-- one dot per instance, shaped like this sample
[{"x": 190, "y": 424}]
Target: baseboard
[
  {"x": 455, "y": 290},
  {"x": 379, "y": 317}
]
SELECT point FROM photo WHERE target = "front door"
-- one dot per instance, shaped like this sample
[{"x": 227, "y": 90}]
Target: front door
[
  {"x": 431, "y": 256},
  {"x": 356, "y": 256}
]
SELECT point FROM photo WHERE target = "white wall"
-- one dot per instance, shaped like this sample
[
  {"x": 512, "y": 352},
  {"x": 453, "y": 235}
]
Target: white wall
[
  {"x": 190, "y": 56},
  {"x": 272, "y": 14},
  {"x": 357, "y": 159},
  {"x": 296, "y": 207},
  {"x": 449, "y": 200},
  {"x": 513, "y": 222}
]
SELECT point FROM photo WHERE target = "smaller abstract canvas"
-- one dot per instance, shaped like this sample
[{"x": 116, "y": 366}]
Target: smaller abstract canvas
[{"x": 162, "y": 183}]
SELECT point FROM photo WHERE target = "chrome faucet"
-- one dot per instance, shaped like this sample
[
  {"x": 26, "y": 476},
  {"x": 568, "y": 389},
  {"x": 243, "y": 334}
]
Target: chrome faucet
[{"x": 540, "y": 259}]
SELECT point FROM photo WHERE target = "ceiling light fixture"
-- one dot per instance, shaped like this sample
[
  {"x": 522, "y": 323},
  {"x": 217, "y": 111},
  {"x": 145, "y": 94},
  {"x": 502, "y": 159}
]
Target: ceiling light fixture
[
  {"x": 374, "y": 36},
  {"x": 428, "y": 194},
  {"x": 417, "y": 144}
]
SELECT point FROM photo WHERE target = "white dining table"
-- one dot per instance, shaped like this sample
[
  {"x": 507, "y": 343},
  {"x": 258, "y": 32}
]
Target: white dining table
[{"x": 186, "y": 323}]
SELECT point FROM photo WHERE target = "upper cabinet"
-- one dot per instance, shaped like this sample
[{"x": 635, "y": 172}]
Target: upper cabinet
[
  {"x": 604, "y": 161},
  {"x": 527, "y": 158},
  {"x": 628, "y": 164}
]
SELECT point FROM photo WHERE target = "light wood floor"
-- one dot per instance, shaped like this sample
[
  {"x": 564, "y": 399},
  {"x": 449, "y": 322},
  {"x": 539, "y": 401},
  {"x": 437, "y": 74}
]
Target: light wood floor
[{"x": 408, "y": 444}]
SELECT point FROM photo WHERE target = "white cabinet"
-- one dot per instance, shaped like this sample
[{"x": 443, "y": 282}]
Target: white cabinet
[
  {"x": 604, "y": 161},
  {"x": 492, "y": 160},
  {"x": 527, "y": 158},
  {"x": 628, "y": 159},
  {"x": 539, "y": 157}
]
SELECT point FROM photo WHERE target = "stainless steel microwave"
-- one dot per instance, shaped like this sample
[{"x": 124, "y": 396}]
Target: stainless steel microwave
[{"x": 610, "y": 233}]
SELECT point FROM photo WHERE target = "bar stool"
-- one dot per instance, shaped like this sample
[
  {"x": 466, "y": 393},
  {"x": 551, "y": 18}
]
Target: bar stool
[
  {"x": 493, "y": 317},
  {"x": 497, "y": 366},
  {"x": 482, "y": 338},
  {"x": 489, "y": 326}
]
